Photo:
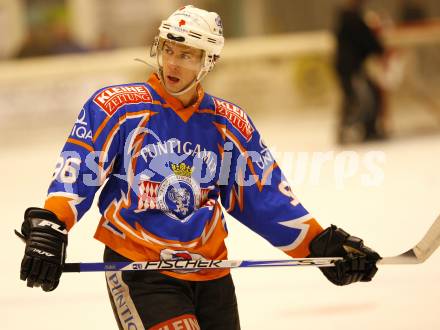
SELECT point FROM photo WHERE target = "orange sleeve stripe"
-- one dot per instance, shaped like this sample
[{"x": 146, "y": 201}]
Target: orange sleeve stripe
[
  {"x": 108, "y": 141},
  {"x": 221, "y": 150},
  {"x": 265, "y": 175},
  {"x": 210, "y": 111},
  {"x": 110, "y": 135},
  {"x": 237, "y": 196},
  {"x": 100, "y": 128},
  {"x": 123, "y": 117},
  {"x": 302, "y": 250},
  {"x": 81, "y": 144},
  {"x": 61, "y": 207},
  {"x": 221, "y": 129}
]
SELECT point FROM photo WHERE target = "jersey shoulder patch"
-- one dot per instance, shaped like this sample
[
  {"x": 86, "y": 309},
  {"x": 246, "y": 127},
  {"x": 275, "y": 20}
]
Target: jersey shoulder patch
[
  {"x": 235, "y": 115},
  {"x": 111, "y": 98}
]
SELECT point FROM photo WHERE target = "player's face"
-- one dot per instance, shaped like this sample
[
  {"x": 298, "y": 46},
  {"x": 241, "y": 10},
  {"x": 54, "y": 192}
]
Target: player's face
[{"x": 181, "y": 65}]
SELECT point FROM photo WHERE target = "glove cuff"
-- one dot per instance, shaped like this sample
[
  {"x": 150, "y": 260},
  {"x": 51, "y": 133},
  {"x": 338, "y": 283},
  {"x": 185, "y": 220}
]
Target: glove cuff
[
  {"x": 34, "y": 218},
  {"x": 37, "y": 212},
  {"x": 329, "y": 243}
]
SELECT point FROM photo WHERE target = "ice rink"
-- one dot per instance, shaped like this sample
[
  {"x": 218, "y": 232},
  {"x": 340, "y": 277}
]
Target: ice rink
[{"x": 390, "y": 216}]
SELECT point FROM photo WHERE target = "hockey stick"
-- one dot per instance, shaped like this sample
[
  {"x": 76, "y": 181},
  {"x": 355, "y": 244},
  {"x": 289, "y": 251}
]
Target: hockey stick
[{"x": 416, "y": 255}]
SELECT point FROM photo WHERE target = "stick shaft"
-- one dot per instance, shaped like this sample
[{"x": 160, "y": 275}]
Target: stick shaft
[{"x": 195, "y": 264}]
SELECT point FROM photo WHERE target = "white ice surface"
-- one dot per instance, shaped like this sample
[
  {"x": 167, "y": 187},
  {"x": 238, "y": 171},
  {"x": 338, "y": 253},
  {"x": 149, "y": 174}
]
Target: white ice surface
[{"x": 390, "y": 217}]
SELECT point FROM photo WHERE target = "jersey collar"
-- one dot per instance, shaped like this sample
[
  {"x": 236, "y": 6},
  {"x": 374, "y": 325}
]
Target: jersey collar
[{"x": 173, "y": 102}]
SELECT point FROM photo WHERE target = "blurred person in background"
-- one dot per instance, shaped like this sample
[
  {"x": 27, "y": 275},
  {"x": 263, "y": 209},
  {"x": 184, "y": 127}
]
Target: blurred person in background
[
  {"x": 63, "y": 42},
  {"x": 33, "y": 45},
  {"x": 48, "y": 31},
  {"x": 412, "y": 11},
  {"x": 55, "y": 41},
  {"x": 167, "y": 153},
  {"x": 362, "y": 103}
]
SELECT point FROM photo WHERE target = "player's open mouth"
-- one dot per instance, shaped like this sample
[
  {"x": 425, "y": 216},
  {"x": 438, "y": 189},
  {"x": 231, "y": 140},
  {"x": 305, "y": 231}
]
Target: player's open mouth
[{"x": 172, "y": 79}]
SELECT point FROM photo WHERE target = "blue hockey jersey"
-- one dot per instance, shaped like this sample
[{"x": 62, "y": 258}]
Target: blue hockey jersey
[{"x": 165, "y": 169}]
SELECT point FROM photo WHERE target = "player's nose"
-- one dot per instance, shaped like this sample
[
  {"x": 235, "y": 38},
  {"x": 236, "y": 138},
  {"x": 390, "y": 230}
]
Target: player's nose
[{"x": 173, "y": 68}]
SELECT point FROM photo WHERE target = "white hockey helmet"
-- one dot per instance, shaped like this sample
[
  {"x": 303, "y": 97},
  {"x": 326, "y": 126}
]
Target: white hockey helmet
[{"x": 195, "y": 28}]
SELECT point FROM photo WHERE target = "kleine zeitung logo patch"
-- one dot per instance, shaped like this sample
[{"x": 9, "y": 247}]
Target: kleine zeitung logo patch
[
  {"x": 236, "y": 116},
  {"x": 112, "y": 98}
]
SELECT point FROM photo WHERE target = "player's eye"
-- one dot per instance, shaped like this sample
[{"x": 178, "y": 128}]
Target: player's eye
[
  {"x": 168, "y": 51},
  {"x": 185, "y": 56}
]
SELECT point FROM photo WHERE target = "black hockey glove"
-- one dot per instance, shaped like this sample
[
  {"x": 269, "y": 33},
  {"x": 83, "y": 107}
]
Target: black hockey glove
[
  {"x": 359, "y": 261},
  {"x": 46, "y": 240}
]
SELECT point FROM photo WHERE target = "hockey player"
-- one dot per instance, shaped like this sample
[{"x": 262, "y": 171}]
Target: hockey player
[
  {"x": 167, "y": 153},
  {"x": 362, "y": 107}
]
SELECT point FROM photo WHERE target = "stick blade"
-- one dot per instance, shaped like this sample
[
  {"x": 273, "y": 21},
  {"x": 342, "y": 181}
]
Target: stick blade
[
  {"x": 422, "y": 251},
  {"x": 406, "y": 258},
  {"x": 429, "y": 243}
]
